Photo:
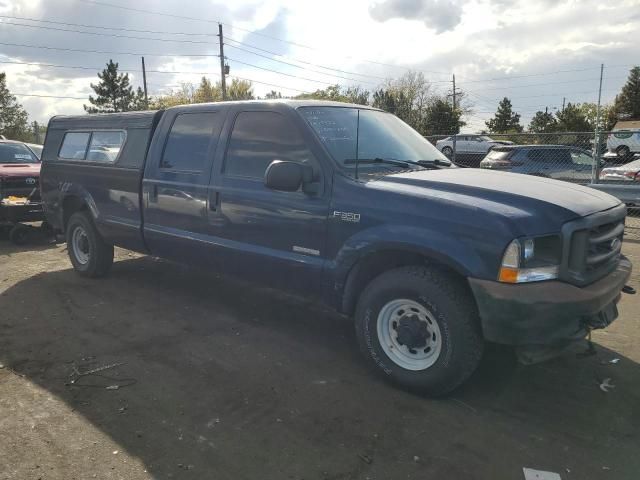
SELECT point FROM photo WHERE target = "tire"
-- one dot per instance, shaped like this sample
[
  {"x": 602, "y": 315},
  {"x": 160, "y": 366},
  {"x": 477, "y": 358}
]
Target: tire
[
  {"x": 418, "y": 298},
  {"x": 623, "y": 151},
  {"x": 88, "y": 252},
  {"x": 447, "y": 151},
  {"x": 19, "y": 234}
]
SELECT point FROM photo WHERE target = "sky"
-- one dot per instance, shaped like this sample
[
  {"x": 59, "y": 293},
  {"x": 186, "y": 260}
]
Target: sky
[{"x": 538, "y": 53}]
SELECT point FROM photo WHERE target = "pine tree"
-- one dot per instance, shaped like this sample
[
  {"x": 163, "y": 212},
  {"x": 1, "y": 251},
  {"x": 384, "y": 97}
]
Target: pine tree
[
  {"x": 13, "y": 118},
  {"x": 505, "y": 120},
  {"x": 573, "y": 119},
  {"x": 114, "y": 93},
  {"x": 543, "y": 122},
  {"x": 627, "y": 103}
]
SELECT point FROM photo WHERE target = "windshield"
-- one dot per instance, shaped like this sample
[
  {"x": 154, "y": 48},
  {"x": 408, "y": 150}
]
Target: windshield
[
  {"x": 380, "y": 135},
  {"x": 16, "y": 153}
]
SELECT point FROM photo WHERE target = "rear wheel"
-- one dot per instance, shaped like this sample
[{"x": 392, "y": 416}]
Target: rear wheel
[
  {"x": 419, "y": 327},
  {"x": 88, "y": 252},
  {"x": 623, "y": 151}
]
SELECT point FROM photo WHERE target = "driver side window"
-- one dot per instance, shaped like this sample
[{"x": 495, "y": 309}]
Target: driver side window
[{"x": 259, "y": 138}]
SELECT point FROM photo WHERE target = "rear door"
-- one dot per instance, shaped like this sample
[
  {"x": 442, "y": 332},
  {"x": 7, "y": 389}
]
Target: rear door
[
  {"x": 175, "y": 186},
  {"x": 271, "y": 237}
]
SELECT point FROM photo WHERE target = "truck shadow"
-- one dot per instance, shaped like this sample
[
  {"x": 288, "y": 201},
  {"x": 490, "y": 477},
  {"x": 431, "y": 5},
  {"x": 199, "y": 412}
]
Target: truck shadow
[{"x": 217, "y": 376}]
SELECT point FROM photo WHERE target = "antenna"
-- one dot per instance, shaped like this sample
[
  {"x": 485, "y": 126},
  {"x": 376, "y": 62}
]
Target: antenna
[{"x": 357, "y": 140}]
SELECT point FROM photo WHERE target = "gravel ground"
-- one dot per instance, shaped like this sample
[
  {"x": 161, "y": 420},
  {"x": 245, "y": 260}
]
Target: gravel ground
[{"x": 220, "y": 380}]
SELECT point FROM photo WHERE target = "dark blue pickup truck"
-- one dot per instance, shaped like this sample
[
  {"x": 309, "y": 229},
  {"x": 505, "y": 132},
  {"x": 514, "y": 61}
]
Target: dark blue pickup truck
[{"x": 349, "y": 206}]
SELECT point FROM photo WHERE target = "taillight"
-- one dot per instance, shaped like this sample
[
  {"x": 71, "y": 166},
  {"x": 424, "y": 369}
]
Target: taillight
[{"x": 632, "y": 175}]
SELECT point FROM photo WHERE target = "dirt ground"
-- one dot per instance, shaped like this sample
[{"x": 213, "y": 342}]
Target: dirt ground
[{"x": 219, "y": 380}]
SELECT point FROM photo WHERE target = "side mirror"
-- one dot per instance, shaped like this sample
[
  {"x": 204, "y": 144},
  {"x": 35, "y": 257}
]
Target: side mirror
[{"x": 287, "y": 176}]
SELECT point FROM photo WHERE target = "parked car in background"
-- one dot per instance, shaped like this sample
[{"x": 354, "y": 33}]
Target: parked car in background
[
  {"x": 625, "y": 138},
  {"x": 552, "y": 161},
  {"x": 19, "y": 169},
  {"x": 35, "y": 148},
  {"x": 469, "y": 144},
  {"x": 625, "y": 173}
]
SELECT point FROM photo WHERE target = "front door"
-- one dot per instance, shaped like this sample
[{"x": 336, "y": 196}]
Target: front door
[
  {"x": 175, "y": 186},
  {"x": 272, "y": 237}
]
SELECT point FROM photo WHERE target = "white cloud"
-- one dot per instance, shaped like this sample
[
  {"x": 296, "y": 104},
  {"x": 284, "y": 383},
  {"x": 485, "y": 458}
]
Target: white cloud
[{"x": 476, "y": 39}]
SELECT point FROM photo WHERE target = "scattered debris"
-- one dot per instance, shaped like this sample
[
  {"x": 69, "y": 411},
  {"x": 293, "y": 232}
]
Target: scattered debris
[
  {"x": 606, "y": 385},
  {"x": 531, "y": 474},
  {"x": 612, "y": 361},
  {"x": 466, "y": 405},
  {"x": 115, "y": 452},
  {"x": 1, "y": 365},
  {"x": 81, "y": 372},
  {"x": 112, "y": 387},
  {"x": 416, "y": 458},
  {"x": 606, "y": 468},
  {"x": 366, "y": 459}
]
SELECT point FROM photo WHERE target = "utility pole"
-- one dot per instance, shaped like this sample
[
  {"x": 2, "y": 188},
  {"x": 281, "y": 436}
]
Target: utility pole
[
  {"x": 596, "y": 157},
  {"x": 563, "y": 99},
  {"x": 455, "y": 133},
  {"x": 223, "y": 82},
  {"x": 144, "y": 82}
]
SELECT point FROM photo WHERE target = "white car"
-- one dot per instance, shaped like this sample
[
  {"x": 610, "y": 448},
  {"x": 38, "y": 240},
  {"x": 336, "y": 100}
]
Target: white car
[
  {"x": 627, "y": 173},
  {"x": 469, "y": 144},
  {"x": 624, "y": 142}
]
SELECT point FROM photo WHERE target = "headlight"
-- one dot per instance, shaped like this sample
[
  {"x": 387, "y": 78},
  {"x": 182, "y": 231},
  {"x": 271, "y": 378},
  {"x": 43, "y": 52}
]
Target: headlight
[{"x": 531, "y": 260}]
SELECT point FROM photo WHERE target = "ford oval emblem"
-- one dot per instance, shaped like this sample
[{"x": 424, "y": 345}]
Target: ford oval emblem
[{"x": 30, "y": 181}]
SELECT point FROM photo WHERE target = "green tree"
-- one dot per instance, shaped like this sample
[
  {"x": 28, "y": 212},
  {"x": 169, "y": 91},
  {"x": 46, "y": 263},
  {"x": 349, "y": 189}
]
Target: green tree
[
  {"x": 14, "y": 121},
  {"x": 573, "y": 119},
  {"x": 272, "y": 95},
  {"x": 627, "y": 103},
  {"x": 207, "y": 92},
  {"x": 240, "y": 90},
  {"x": 543, "y": 122},
  {"x": 505, "y": 120},
  {"x": 441, "y": 119},
  {"x": 114, "y": 93},
  {"x": 607, "y": 115},
  {"x": 337, "y": 93}
]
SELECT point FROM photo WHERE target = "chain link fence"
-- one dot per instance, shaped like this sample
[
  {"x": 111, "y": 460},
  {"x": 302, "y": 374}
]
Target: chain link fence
[{"x": 611, "y": 164}]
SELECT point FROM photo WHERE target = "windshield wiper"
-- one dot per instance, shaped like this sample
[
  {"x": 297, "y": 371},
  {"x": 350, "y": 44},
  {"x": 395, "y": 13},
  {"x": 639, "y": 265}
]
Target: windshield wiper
[{"x": 400, "y": 163}]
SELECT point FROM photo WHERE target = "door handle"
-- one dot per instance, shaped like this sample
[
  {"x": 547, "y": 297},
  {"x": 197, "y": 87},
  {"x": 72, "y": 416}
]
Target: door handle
[
  {"x": 153, "y": 193},
  {"x": 214, "y": 200}
]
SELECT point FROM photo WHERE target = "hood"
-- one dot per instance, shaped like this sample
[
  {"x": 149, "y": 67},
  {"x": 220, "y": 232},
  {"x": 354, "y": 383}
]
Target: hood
[
  {"x": 19, "y": 169},
  {"x": 629, "y": 167},
  {"x": 527, "y": 198}
]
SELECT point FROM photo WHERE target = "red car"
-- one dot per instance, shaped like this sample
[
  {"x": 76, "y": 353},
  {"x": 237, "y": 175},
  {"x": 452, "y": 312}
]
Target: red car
[{"x": 19, "y": 169}]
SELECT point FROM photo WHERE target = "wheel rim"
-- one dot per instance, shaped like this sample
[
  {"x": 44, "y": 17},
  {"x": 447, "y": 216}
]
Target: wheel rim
[
  {"x": 409, "y": 334},
  {"x": 447, "y": 151},
  {"x": 80, "y": 245}
]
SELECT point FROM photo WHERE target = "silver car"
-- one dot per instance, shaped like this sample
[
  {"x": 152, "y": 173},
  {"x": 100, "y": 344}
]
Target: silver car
[{"x": 469, "y": 144}]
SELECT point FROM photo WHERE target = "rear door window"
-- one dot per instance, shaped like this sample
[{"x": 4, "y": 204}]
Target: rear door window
[
  {"x": 74, "y": 145},
  {"x": 189, "y": 141},
  {"x": 259, "y": 138}
]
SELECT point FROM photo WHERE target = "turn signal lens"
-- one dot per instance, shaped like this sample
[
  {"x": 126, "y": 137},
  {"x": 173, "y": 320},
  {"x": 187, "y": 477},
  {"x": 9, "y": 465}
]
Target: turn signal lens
[{"x": 508, "y": 275}]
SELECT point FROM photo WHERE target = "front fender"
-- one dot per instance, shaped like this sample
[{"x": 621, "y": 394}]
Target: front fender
[{"x": 439, "y": 246}]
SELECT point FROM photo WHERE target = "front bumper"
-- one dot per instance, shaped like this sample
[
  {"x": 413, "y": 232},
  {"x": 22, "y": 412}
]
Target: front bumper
[{"x": 549, "y": 312}]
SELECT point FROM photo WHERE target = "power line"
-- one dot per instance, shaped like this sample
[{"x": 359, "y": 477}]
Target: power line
[
  {"x": 278, "y": 72},
  {"x": 125, "y": 70},
  {"x": 58, "y": 29},
  {"x": 297, "y": 66},
  {"x": 184, "y": 17},
  {"x": 45, "y": 47},
  {"x": 101, "y": 27},
  {"x": 296, "y": 59},
  {"x": 49, "y": 96}
]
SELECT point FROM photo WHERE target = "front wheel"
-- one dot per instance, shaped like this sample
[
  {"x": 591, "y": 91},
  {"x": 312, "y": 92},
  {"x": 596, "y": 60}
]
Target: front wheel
[
  {"x": 419, "y": 327},
  {"x": 447, "y": 151},
  {"x": 88, "y": 252}
]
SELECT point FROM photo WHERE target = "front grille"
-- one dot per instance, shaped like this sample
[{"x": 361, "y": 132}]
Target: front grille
[
  {"x": 18, "y": 186},
  {"x": 595, "y": 246}
]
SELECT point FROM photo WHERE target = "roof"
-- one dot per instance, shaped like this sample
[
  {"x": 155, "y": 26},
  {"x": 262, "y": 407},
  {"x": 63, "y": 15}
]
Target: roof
[
  {"x": 104, "y": 120},
  {"x": 627, "y": 125},
  {"x": 285, "y": 101}
]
